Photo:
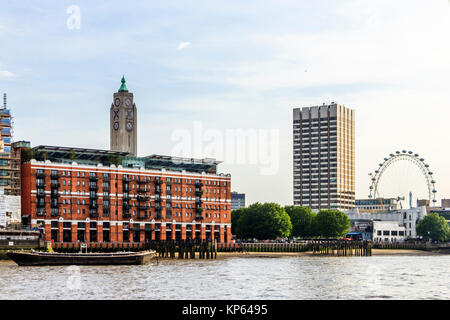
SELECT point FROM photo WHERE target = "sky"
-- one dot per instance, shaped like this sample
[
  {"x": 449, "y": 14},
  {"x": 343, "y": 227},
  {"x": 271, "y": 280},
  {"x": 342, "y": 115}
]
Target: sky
[{"x": 207, "y": 74}]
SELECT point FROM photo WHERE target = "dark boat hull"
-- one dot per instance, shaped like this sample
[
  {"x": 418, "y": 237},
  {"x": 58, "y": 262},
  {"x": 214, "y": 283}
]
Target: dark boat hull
[{"x": 54, "y": 259}]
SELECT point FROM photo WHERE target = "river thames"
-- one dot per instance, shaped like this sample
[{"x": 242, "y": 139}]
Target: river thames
[{"x": 304, "y": 277}]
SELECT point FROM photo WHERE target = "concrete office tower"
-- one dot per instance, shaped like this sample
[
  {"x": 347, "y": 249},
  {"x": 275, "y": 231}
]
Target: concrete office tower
[
  {"x": 324, "y": 157},
  {"x": 123, "y": 122}
]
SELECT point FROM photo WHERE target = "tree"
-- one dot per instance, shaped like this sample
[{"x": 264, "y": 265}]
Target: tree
[
  {"x": 114, "y": 159},
  {"x": 27, "y": 154},
  {"x": 264, "y": 221},
  {"x": 72, "y": 155},
  {"x": 433, "y": 227},
  {"x": 331, "y": 224},
  {"x": 302, "y": 219},
  {"x": 235, "y": 216}
]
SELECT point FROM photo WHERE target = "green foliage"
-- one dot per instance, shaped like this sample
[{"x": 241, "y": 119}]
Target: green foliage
[
  {"x": 72, "y": 155},
  {"x": 270, "y": 221},
  {"x": 262, "y": 221},
  {"x": 433, "y": 227},
  {"x": 331, "y": 224},
  {"x": 113, "y": 159},
  {"x": 445, "y": 215},
  {"x": 235, "y": 216},
  {"x": 26, "y": 154},
  {"x": 302, "y": 219}
]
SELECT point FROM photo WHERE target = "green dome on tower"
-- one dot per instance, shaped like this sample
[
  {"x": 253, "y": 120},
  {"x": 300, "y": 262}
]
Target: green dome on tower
[{"x": 123, "y": 87}]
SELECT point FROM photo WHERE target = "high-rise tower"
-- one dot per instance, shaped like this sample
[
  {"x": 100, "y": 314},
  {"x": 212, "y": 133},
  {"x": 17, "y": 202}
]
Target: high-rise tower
[
  {"x": 123, "y": 121},
  {"x": 324, "y": 157},
  {"x": 9, "y": 158}
]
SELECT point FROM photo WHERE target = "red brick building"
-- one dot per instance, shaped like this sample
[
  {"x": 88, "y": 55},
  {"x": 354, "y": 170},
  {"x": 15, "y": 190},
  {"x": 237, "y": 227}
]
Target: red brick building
[{"x": 75, "y": 194}]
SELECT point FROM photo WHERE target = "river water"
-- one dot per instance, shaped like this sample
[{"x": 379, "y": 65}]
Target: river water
[{"x": 376, "y": 277}]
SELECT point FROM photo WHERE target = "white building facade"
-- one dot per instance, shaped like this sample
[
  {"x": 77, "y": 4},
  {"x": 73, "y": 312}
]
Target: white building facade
[
  {"x": 388, "y": 231},
  {"x": 407, "y": 218}
]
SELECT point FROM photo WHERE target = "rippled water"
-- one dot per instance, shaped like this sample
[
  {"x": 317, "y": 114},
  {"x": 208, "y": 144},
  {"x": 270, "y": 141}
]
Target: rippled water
[{"x": 376, "y": 277}]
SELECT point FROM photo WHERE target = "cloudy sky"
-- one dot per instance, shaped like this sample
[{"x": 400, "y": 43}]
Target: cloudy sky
[{"x": 211, "y": 68}]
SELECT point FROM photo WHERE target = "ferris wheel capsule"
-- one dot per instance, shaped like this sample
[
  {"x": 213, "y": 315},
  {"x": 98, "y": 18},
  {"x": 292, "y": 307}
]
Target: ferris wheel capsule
[
  {"x": 397, "y": 152},
  {"x": 391, "y": 154},
  {"x": 416, "y": 154},
  {"x": 404, "y": 151},
  {"x": 422, "y": 159}
]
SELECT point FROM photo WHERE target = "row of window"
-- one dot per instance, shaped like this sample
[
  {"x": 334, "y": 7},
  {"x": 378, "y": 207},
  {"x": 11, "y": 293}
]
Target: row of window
[
  {"x": 133, "y": 177},
  {"x": 55, "y": 211},
  {"x": 390, "y": 233}
]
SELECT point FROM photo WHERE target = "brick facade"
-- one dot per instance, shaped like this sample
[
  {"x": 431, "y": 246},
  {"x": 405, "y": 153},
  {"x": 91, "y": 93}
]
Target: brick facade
[{"x": 138, "y": 204}]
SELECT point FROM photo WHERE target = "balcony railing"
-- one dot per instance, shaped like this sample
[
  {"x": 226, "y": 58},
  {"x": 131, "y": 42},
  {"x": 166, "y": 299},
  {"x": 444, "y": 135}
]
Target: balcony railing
[
  {"x": 55, "y": 194},
  {"x": 198, "y": 210},
  {"x": 126, "y": 215},
  {"x": 40, "y": 213},
  {"x": 93, "y": 213},
  {"x": 93, "y": 187},
  {"x": 143, "y": 216},
  {"x": 40, "y": 204},
  {"x": 40, "y": 175}
]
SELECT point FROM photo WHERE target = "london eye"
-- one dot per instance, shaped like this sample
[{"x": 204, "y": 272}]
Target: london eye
[{"x": 411, "y": 157}]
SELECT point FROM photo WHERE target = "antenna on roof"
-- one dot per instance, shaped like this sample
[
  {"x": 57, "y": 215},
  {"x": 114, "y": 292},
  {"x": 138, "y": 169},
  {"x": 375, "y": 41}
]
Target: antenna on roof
[{"x": 4, "y": 100}]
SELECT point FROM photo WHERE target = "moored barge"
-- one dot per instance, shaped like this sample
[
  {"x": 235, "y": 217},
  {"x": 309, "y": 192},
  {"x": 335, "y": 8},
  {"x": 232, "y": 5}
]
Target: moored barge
[{"x": 31, "y": 258}]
